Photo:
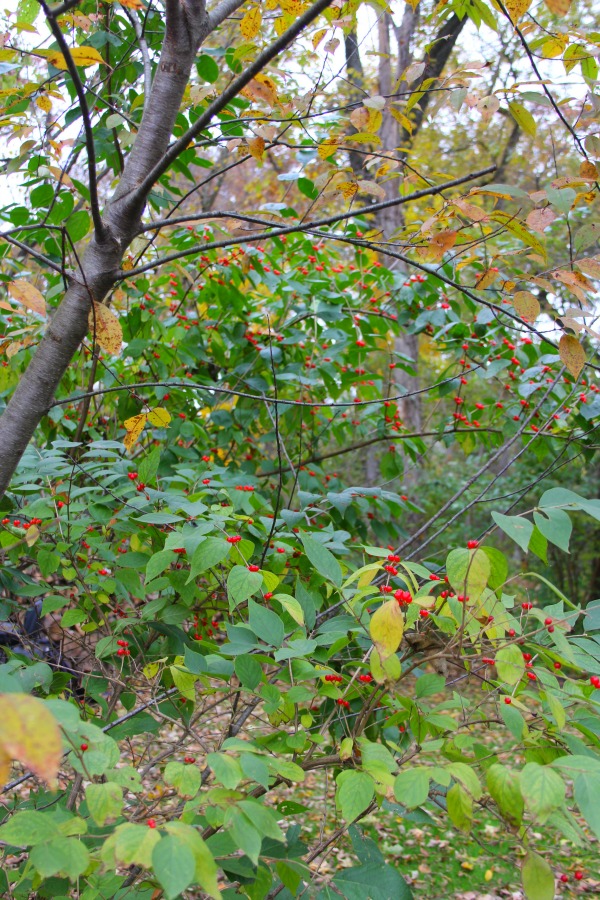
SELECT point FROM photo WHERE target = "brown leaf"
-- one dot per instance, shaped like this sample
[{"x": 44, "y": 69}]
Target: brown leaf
[
  {"x": 572, "y": 354},
  {"x": 28, "y": 295},
  {"x": 590, "y": 266},
  {"x": 438, "y": 245},
  {"x": 526, "y": 305},
  {"x": 475, "y": 213},
  {"x": 256, "y": 146},
  {"x": 539, "y": 219},
  {"x": 29, "y": 733},
  {"x": 588, "y": 170},
  {"x": 106, "y": 328},
  {"x": 261, "y": 88}
]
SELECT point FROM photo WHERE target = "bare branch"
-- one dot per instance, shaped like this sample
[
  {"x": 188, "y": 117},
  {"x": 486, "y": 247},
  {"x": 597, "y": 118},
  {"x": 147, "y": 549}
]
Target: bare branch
[{"x": 221, "y": 11}]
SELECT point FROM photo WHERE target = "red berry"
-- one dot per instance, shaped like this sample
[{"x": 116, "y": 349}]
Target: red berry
[
  {"x": 268, "y": 595},
  {"x": 595, "y": 681},
  {"x": 472, "y": 545},
  {"x": 511, "y": 632},
  {"x": 140, "y": 487},
  {"x": 532, "y": 676},
  {"x": 365, "y": 678},
  {"x": 189, "y": 760},
  {"x": 83, "y": 747},
  {"x": 132, "y": 476},
  {"x": 254, "y": 568},
  {"x": 151, "y": 823},
  {"x": 508, "y": 700},
  {"x": 424, "y": 613},
  {"x": 234, "y": 539},
  {"x": 564, "y": 878},
  {"x": 548, "y": 621},
  {"x": 578, "y": 875},
  {"x": 557, "y": 665}
]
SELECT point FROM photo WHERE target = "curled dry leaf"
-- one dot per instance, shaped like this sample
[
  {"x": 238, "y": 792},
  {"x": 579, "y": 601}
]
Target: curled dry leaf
[
  {"x": 106, "y": 329},
  {"x": 526, "y": 305},
  {"x": 572, "y": 354},
  {"x": 29, "y": 733},
  {"x": 25, "y": 293}
]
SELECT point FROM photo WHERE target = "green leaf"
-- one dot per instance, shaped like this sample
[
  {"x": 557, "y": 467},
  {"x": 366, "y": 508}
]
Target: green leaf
[
  {"x": 355, "y": 790},
  {"x": 242, "y": 584},
  {"x": 307, "y": 187},
  {"x": 207, "y": 68},
  {"x": 510, "y": 664},
  {"x": 206, "y": 870},
  {"x": 516, "y": 527},
  {"x": 375, "y": 881},
  {"x": 66, "y": 856},
  {"x": 468, "y": 571},
  {"x": 174, "y": 865},
  {"x": 411, "y": 787},
  {"x": 27, "y": 11},
  {"x": 543, "y": 790},
  {"x": 498, "y": 567},
  {"x": 513, "y": 720},
  {"x": 503, "y": 785},
  {"x": 467, "y": 776},
  {"x": 130, "y": 844},
  {"x": 184, "y": 777},
  {"x": 244, "y": 834},
  {"x": 460, "y": 807},
  {"x": 27, "y": 828},
  {"x": 322, "y": 559},
  {"x": 226, "y": 769},
  {"x": 105, "y": 801},
  {"x": 78, "y": 225},
  {"x": 157, "y": 564},
  {"x": 538, "y": 878},
  {"x": 429, "y": 684},
  {"x": 148, "y": 466},
  {"x": 587, "y": 790},
  {"x": 265, "y": 624},
  {"x": 209, "y": 553},
  {"x": 248, "y": 670},
  {"x": 555, "y": 525}
]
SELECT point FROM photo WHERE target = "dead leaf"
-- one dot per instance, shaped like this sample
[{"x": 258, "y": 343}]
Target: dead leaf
[
  {"x": 29, "y": 733},
  {"x": 261, "y": 88},
  {"x": 256, "y": 146},
  {"x": 438, "y": 245},
  {"x": 590, "y": 266},
  {"x": 588, "y": 170},
  {"x": 572, "y": 354},
  {"x": 106, "y": 328},
  {"x": 475, "y": 213},
  {"x": 539, "y": 219},
  {"x": 25, "y": 293}
]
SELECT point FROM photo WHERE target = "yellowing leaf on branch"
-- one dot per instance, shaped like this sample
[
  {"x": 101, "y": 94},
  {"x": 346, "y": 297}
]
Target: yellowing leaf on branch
[
  {"x": 159, "y": 417},
  {"x": 29, "y": 734},
  {"x": 386, "y": 628},
  {"x": 261, "y": 88},
  {"x": 328, "y": 147},
  {"x": 250, "y": 23},
  {"x": 106, "y": 328},
  {"x": 572, "y": 354},
  {"x": 25, "y": 293},
  {"x": 81, "y": 56},
  {"x": 403, "y": 120},
  {"x": 348, "y": 190},
  {"x": 318, "y": 37},
  {"x": 575, "y": 282},
  {"x": 475, "y": 213},
  {"x": 134, "y": 427},
  {"x": 486, "y": 279},
  {"x": 44, "y": 103},
  {"x": 590, "y": 266},
  {"x": 523, "y": 118},
  {"x": 517, "y": 8},
  {"x": 588, "y": 170},
  {"x": 526, "y": 305}
]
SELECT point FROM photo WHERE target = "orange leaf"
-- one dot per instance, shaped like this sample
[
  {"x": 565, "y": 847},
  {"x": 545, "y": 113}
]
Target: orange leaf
[
  {"x": 485, "y": 280},
  {"x": 28, "y": 295},
  {"x": 256, "y": 146},
  {"x": 29, "y": 733},
  {"x": 106, "y": 328},
  {"x": 572, "y": 354},
  {"x": 438, "y": 245},
  {"x": 558, "y": 7}
]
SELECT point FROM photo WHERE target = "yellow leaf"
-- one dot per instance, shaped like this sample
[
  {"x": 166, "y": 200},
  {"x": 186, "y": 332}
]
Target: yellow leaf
[
  {"x": 386, "y": 628},
  {"x": 106, "y": 328},
  {"x": 318, "y": 37},
  {"x": 526, "y": 305},
  {"x": 554, "y": 46},
  {"x": 438, "y": 245},
  {"x": 132, "y": 4},
  {"x": 44, "y": 102},
  {"x": 485, "y": 280},
  {"x": 558, "y": 7},
  {"x": 348, "y": 189},
  {"x": 523, "y": 118},
  {"x": 572, "y": 354},
  {"x": 134, "y": 427},
  {"x": 261, "y": 88},
  {"x": 31, "y": 535},
  {"x": 517, "y": 8},
  {"x": 250, "y": 23},
  {"x": 29, "y": 734},
  {"x": 256, "y": 146},
  {"x": 402, "y": 119},
  {"x": 25, "y": 293},
  {"x": 328, "y": 147},
  {"x": 159, "y": 417},
  {"x": 82, "y": 56}
]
